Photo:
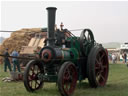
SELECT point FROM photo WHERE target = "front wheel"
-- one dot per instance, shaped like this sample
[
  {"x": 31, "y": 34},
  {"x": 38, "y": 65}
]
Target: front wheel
[
  {"x": 31, "y": 73},
  {"x": 67, "y": 79}
]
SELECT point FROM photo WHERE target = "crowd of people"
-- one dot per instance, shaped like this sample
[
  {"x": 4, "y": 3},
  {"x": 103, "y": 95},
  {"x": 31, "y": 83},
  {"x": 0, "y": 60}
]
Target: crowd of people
[
  {"x": 114, "y": 58},
  {"x": 14, "y": 61}
]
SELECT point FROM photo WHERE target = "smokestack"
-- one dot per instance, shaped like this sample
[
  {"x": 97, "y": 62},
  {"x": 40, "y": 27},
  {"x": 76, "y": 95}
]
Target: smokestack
[{"x": 51, "y": 25}]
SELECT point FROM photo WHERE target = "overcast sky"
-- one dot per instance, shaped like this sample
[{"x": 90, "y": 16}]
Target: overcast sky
[{"x": 107, "y": 19}]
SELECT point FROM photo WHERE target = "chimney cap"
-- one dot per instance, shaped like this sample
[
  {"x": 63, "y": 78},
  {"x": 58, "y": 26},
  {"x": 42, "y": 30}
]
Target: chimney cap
[{"x": 54, "y": 8}]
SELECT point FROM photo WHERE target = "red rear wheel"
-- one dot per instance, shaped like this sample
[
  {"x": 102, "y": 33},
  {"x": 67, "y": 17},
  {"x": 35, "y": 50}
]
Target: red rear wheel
[
  {"x": 98, "y": 67},
  {"x": 101, "y": 68}
]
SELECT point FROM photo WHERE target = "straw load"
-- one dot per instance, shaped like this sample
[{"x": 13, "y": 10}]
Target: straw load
[{"x": 18, "y": 39}]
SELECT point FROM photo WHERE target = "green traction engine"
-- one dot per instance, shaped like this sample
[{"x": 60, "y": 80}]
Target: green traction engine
[{"x": 66, "y": 59}]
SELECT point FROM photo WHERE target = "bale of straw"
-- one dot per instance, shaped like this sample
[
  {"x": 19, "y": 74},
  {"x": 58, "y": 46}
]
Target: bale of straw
[{"x": 18, "y": 39}]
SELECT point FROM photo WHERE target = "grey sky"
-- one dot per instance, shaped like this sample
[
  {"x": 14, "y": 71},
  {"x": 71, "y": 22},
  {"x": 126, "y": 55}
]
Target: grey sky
[{"x": 107, "y": 19}]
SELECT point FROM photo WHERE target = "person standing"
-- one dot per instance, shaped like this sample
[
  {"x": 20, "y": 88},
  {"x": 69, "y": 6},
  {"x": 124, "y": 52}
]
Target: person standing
[
  {"x": 125, "y": 58},
  {"x": 15, "y": 61},
  {"x": 113, "y": 58},
  {"x": 110, "y": 57},
  {"x": 7, "y": 61}
]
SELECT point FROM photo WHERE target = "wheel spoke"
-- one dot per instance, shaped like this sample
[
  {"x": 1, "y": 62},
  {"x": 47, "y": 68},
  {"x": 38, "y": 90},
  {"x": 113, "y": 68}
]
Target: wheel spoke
[
  {"x": 87, "y": 36},
  {"x": 32, "y": 70},
  {"x": 102, "y": 77},
  {"x": 98, "y": 60},
  {"x": 29, "y": 77},
  {"x": 36, "y": 84},
  {"x": 35, "y": 69},
  {"x": 66, "y": 86},
  {"x": 38, "y": 71},
  {"x": 97, "y": 78},
  {"x": 66, "y": 76},
  {"x": 97, "y": 66},
  {"x": 68, "y": 71},
  {"x": 101, "y": 57},
  {"x": 31, "y": 83}
]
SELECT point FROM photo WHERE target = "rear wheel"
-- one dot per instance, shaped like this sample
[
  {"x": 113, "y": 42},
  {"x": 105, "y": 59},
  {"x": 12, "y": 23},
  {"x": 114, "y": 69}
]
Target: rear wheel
[
  {"x": 67, "y": 79},
  {"x": 97, "y": 67},
  {"x": 31, "y": 73}
]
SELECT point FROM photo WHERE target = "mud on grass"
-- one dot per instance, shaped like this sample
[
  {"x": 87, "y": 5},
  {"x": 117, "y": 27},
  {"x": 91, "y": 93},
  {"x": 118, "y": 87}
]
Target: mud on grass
[{"x": 117, "y": 85}]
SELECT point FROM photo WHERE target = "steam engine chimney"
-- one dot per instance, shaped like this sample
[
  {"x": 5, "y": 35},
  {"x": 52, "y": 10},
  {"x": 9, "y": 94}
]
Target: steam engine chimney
[{"x": 51, "y": 25}]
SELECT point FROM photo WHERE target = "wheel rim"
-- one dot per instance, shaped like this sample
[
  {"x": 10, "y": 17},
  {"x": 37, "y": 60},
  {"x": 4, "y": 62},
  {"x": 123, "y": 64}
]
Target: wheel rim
[
  {"x": 101, "y": 68},
  {"x": 69, "y": 79},
  {"x": 33, "y": 80}
]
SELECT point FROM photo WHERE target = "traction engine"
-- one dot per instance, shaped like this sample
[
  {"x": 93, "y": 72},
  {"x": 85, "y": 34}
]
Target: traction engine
[{"x": 66, "y": 58}]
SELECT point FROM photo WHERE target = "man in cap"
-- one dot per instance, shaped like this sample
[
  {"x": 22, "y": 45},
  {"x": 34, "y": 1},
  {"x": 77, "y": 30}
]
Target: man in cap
[
  {"x": 6, "y": 61},
  {"x": 15, "y": 61}
]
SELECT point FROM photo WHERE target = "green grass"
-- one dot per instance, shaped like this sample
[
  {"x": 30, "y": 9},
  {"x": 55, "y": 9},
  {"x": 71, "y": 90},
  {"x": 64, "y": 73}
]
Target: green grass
[{"x": 117, "y": 85}]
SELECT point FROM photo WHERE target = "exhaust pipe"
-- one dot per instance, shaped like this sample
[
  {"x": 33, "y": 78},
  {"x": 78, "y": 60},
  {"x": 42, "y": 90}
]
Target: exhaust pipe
[{"x": 51, "y": 26}]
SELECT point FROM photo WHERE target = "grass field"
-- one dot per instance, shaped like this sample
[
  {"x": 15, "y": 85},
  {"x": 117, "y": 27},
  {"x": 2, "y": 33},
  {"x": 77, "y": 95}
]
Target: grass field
[{"x": 117, "y": 85}]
